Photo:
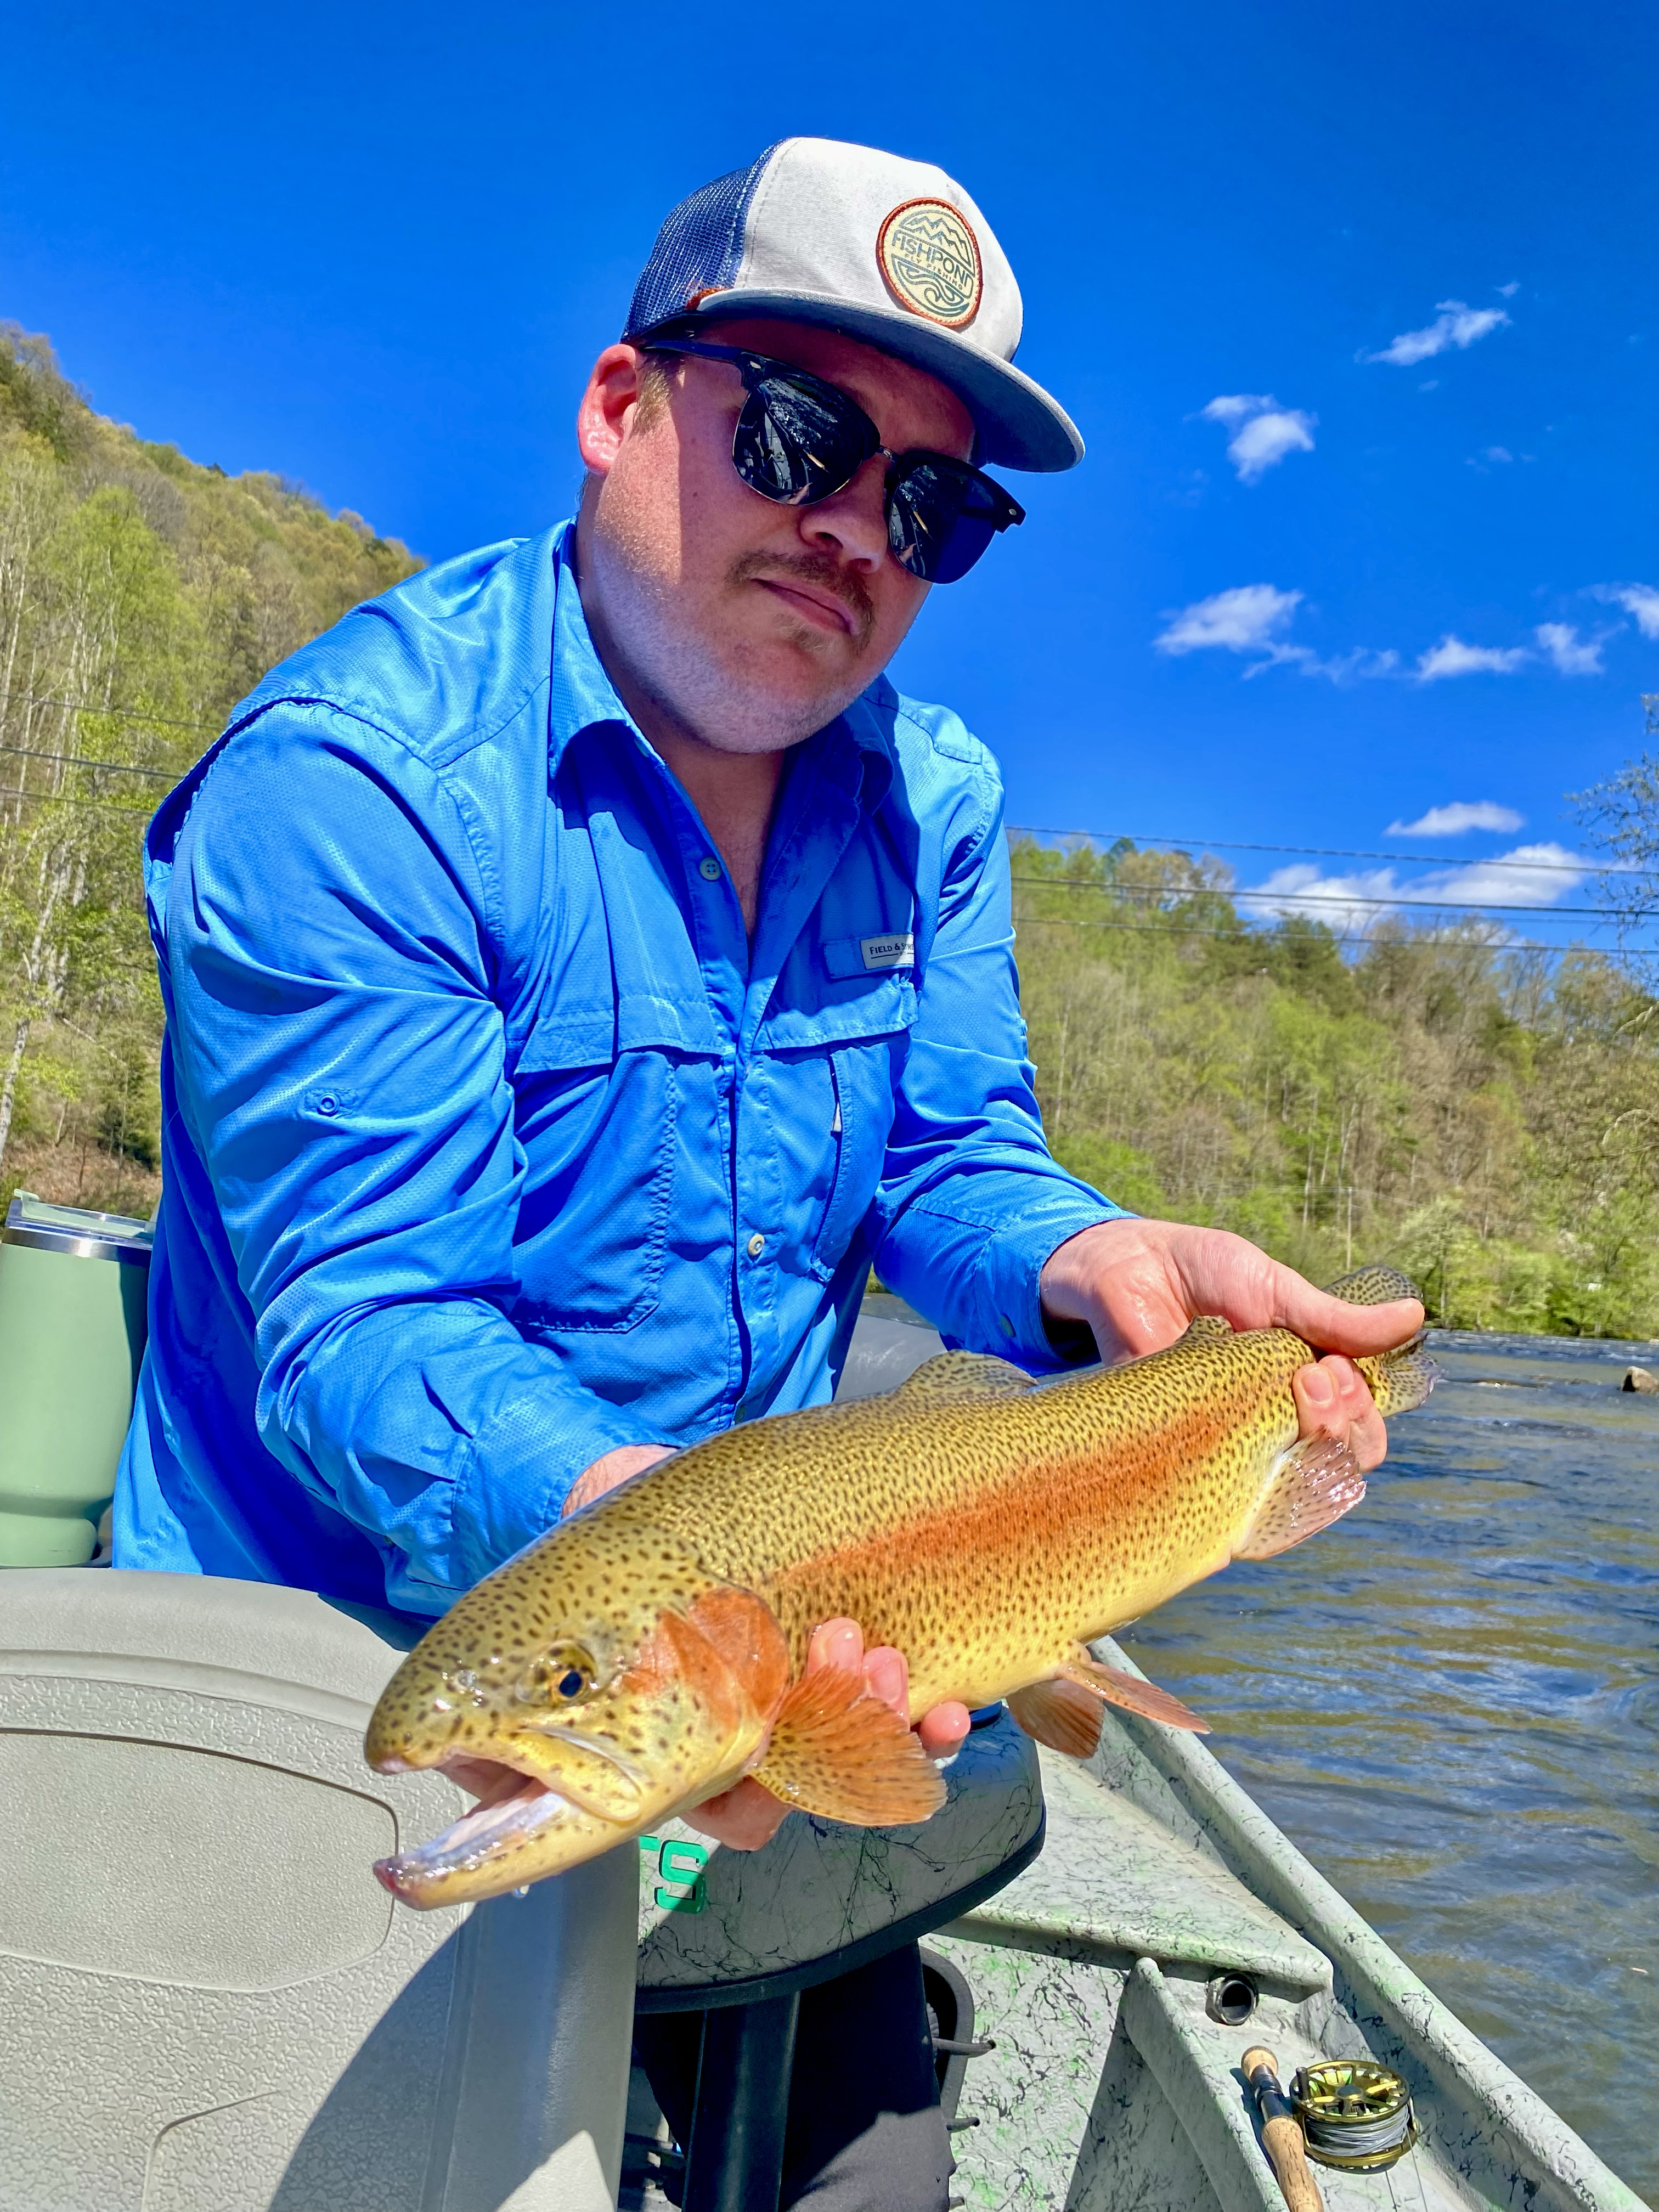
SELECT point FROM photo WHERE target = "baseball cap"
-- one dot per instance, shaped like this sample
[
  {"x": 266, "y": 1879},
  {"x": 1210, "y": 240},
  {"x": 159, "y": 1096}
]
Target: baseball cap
[{"x": 889, "y": 251}]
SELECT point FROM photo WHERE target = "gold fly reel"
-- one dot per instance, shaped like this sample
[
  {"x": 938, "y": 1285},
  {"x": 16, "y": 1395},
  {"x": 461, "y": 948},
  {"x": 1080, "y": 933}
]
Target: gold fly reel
[{"x": 1355, "y": 2115}]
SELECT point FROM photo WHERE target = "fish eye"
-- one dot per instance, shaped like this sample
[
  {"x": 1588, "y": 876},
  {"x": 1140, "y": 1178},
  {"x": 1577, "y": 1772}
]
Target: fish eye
[{"x": 557, "y": 1677}]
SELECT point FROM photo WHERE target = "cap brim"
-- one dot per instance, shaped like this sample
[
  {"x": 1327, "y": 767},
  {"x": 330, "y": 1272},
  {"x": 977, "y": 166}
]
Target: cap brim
[{"x": 1020, "y": 426}]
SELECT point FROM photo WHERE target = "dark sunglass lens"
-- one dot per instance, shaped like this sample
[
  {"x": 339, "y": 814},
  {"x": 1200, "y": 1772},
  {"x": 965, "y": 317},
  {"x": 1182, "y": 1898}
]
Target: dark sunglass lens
[
  {"x": 940, "y": 520},
  {"x": 793, "y": 445}
]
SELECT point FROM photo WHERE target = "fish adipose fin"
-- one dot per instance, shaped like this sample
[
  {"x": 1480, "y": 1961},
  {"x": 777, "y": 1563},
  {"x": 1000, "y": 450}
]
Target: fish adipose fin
[
  {"x": 1206, "y": 1328},
  {"x": 964, "y": 1375},
  {"x": 837, "y": 1752},
  {"x": 1133, "y": 1695},
  {"x": 1060, "y": 1714},
  {"x": 1314, "y": 1484}
]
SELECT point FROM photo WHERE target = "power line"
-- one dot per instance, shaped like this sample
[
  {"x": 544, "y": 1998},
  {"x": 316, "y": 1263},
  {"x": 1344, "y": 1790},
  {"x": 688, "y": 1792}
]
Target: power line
[
  {"x": 1312, "y": 852},
  {"x": 1243, "y": 936},
  {"x": 70, "y": 798},
  {"x": 79, "y": 759},
  {"x": 1328, "y": 898},
  {"x": 110, "y": 713}
]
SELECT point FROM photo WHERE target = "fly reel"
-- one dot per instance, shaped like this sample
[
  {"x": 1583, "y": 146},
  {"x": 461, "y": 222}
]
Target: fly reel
[{"x": 1356, "y": 2116}]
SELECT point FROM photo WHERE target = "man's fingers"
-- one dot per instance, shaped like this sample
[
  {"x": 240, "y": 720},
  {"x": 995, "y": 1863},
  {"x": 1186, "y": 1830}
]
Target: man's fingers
[
  {"x": 1333, "y": 1325},
  {"x": 742, "y": 1818},
  {"x": 837, "y": 1644},
  {"x": 1332, "y": 1398},
  {"x": 943, "y": 1730},
  {"x": 887, "y": 1676}
]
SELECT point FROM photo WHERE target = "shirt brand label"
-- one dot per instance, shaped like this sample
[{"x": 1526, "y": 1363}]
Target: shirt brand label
[{"x": 889, "y": 952}]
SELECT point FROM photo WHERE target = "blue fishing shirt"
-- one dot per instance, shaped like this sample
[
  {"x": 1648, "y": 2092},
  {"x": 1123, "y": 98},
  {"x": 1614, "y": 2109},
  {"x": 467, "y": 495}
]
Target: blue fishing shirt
[{"x": 488, "y": 1142}]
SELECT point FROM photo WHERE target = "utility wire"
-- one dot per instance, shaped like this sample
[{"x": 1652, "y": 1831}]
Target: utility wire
[
  {"x": 110, "y": 713},
  {"x": 1326, "y": 898},
  {"x": 1313, "y": 851},
  {"x": 79, "y": 759},
  {"x": 1245, "y": 936}
]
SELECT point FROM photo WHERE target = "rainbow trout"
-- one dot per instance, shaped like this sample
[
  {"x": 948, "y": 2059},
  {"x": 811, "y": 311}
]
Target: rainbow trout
[{"x": 651, "y": 1649}]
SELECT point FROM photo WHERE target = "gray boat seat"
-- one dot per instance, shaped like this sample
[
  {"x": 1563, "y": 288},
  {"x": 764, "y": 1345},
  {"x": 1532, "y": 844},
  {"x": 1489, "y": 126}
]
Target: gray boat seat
[{"x": 207, "y": 2002}]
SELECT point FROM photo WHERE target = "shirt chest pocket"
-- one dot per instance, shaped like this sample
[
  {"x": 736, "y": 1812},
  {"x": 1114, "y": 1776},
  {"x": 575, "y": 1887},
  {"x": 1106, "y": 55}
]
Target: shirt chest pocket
[
  {"x": 834, "y": 1095},
  {"x": 598, "y": 1144}
]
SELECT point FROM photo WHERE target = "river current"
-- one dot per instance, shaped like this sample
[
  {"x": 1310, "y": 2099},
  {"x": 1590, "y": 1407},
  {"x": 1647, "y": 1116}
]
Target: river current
[{"x": 1450, "y": 1702}]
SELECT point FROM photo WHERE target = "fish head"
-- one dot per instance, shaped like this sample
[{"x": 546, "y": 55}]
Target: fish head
[{"x": 593, "y": 1686}]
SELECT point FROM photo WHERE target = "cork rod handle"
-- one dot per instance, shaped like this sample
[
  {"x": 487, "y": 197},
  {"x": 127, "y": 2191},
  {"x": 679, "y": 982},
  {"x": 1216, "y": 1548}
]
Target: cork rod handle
[{"x": 1281, "y": 2136}]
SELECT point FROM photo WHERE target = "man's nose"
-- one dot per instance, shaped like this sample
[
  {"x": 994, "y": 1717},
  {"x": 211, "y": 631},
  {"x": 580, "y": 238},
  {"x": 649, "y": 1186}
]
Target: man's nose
[{"x": 853, "y": 521}]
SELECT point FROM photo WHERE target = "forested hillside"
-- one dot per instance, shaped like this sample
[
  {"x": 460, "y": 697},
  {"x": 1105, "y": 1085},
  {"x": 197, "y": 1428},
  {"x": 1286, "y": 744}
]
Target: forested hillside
[
  {"x": 1486, "y": 1118},
  {"x": 140, "y": 595}
]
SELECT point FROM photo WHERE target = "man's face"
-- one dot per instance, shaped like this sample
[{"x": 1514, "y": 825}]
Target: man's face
[{"x": 749, "y": 624}]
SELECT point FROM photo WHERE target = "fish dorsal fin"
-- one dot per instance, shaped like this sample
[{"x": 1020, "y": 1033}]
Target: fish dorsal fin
[
  {"x": 1133, "y": 1693},
  {"x": 1314, "y": 1484},
  {"x": 950, "y": 1374},
  {"x": 1060, "y": 1714},
  {"x": 1206, "y": 1328},
  {"x": 837, "y": 1752}
]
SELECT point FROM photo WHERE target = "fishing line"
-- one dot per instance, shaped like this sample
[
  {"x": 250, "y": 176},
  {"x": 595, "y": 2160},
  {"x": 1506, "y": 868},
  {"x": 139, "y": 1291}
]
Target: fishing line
[{"x": 1356, "y": 2116}]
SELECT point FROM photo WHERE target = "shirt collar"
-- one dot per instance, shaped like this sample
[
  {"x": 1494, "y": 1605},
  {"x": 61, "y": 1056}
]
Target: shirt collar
[{"x": 854, "y": 750}]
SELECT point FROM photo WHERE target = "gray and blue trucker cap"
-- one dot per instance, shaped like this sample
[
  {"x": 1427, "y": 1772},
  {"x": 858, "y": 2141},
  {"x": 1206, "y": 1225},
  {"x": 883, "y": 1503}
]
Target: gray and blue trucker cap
[{"x": 886, "y": 249}]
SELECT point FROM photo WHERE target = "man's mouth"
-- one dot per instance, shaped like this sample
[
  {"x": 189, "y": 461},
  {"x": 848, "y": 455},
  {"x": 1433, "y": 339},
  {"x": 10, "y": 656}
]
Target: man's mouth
[{"x": 819, "y": 608}]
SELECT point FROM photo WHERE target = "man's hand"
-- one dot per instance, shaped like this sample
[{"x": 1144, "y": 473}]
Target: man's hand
[
  {"x": 749, "y": 1816},
  {"x": 1137, "y": 1283},
  {"x": 611, "y": 1469}
]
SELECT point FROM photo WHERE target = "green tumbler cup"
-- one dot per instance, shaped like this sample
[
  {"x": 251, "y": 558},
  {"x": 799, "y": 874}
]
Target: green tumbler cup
[{"x": 72, "y": 1327}]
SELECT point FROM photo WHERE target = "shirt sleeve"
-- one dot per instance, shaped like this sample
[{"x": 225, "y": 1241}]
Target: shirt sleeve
[
  {"x": 341, "y": 1067},
  {"x": 971, "y": 1204}
]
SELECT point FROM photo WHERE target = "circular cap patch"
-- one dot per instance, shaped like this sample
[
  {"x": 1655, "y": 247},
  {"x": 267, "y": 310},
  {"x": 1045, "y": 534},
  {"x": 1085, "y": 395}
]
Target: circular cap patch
[{"x": 930, "y": 259}]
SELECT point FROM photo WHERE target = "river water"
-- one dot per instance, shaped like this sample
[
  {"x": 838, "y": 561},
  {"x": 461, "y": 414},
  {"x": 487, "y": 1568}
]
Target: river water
[{"x": 1450, "y": 1702}]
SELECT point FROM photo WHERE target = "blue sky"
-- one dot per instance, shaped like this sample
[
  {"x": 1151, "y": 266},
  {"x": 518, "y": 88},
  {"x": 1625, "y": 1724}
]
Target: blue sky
[{"x": 1354, "y": 307}]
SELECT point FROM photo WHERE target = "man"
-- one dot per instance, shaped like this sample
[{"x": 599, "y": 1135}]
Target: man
[{"x": 581, "y": 966}]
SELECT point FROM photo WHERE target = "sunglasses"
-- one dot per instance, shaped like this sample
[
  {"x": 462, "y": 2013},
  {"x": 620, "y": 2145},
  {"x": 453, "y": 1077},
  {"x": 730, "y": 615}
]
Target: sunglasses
[{"x": 799, "y": 440}]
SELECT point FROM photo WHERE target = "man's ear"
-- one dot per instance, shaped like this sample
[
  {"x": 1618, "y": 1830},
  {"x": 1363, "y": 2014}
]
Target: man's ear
[{"x": 608, "y": 405}]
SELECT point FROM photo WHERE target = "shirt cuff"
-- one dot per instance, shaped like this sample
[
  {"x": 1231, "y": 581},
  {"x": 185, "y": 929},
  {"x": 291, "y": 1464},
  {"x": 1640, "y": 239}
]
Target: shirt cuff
[
  {"x": 1011, "y": 1272},
  {"x": 522, "y": 1465}
]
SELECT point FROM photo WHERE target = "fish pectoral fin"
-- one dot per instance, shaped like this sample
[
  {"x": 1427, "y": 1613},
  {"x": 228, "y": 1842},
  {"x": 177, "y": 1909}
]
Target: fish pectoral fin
[
  {"x": 964, "y": 1375},
  {"x": 1114, "y": 1688},
  {"x": 1314, "y": 1484},
  {"x": 1061, "y": 1714},
  {"x": 837, "y": 1752}
]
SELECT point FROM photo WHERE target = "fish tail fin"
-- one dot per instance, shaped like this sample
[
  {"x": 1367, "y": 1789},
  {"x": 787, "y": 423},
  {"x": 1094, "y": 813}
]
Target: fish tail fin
[
  {"x": 1315, "y": 1483},
  {"x": 1401, "y": 1380},
  {"x": 837, "y": 1752}
]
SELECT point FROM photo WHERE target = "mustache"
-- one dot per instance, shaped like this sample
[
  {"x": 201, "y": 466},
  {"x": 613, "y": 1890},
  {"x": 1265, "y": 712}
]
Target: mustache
[{"x": 821, "y": 569}]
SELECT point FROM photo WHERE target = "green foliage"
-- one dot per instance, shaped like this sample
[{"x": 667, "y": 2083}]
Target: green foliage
[
  {"x": 1468, "y": 1112},
  {"x": 141, "y": 596}
]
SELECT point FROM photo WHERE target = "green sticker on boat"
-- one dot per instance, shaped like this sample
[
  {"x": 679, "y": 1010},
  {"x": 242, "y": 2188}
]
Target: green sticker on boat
[{"x": 679, "y": 1872}]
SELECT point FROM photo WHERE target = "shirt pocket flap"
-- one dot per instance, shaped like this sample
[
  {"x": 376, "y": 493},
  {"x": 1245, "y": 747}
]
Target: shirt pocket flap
[{"x": 870, "y": 1006}]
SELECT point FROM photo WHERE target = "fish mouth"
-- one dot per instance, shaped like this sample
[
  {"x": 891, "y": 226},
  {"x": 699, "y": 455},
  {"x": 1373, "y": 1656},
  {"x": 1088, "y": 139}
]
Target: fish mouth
[{"x": 516, "y": 1809}]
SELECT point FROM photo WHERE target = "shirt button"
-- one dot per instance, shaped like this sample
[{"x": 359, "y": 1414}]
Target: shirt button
[
  {"x": 757, "y": 1245},
  {"x": 1005, "y": 1324},
  {"x": 709, "y": 869}
]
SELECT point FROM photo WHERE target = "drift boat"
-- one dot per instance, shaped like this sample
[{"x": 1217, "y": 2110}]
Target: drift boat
[{"x": 207, "y": 2004}]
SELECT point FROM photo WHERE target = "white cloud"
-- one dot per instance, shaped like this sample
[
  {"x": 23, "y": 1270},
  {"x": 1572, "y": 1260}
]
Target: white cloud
[
  {"x": 1639, "y": 601},
  {"x": 1263, "y": 431},
  {"x": 1245, "y": 619},
  {"x": 1455, "y": 324},
  {"x": 1506, "y": 291},
  {"x": 1569, "y": 653},
  {"x": 1451, "y": 657},
  {"x": 1528, "y": 875},
  {"x": 1456, "y": 817}
]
